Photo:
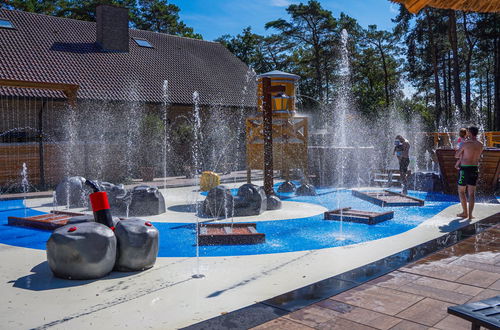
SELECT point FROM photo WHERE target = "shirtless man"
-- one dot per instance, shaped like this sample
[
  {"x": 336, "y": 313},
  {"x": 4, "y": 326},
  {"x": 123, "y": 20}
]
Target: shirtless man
[
  {"x": 402, "y": 151},
  {"x": 469, "y": 153}
]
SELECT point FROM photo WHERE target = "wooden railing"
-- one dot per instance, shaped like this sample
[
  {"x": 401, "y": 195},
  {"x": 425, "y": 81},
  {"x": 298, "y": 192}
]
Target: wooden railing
[
  {"x": 447, "y": 139},
  {"x": 13, "y": 155}
]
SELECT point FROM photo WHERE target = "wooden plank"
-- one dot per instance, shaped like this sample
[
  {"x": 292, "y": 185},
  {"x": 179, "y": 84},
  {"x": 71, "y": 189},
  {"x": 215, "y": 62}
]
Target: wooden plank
[
  {"x": 388, "y": 198},
  {"x": 349, "y": 215},
  {"x": 229, "y": 234}
]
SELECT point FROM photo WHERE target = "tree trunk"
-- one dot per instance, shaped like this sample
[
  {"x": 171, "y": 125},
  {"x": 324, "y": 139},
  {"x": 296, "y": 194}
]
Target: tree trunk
[
  {"x": 468, "y": 60},
  {"x": 496, "y": 87},
  {"x": 452, "y": 36},
  {"x": 386, "y": 75},
  {"x": 437, "y": 91},
  {"x": 445, "y": 89},
  {"x": 317, "y": 64},
  {"x": 449, "y": 84},
  {"x": 488, "y": 98}
]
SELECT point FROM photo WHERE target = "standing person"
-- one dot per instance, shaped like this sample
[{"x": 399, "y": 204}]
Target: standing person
[
  {"x": 402, "y": 151},
  {"x": 469, "y": 155}
]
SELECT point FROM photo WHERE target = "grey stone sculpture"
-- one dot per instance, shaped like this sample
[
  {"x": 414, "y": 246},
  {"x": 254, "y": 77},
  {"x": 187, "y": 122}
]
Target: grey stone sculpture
[
  {"x": 146, "y": 201},
  {"x": 306, "y": 189},
  {"x": 250, "y": 200},
  {"x": 137, "y": 245},
  {"x": 115, "y": 193},
  {"x": 78, "y": 193},
  {"x": 287, "y": 187},
  {"x": 72, "y": 191},
  {"x": 88, "y": 218},
  {"x": 273, "y": 203},
  {"x": 82, "y": 251},
  {"x": 219, "y": 202}
]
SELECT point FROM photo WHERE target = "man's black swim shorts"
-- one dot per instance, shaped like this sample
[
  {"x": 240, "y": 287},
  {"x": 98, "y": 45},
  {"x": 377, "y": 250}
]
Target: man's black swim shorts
[{"x": 468, "y": 175}]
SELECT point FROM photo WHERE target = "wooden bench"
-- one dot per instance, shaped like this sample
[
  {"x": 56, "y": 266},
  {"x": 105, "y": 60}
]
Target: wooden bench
[{"x": 483, "y": 313}]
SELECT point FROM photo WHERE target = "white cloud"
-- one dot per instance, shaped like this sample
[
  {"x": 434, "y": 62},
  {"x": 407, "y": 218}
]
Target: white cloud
[{"x": 280, "y": 3}]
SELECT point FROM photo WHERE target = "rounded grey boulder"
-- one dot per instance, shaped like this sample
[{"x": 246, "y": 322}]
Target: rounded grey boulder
[
  {"x": 137, "y": 245},
  {"x": 146, "y": 201},
  {"x": 88, "y": 218},
  {"x": 72, "y": 191},
  {"x": 273, "y": 203},
  {"x": 81, "y": 219},
  {"x": 287, "y": 187},
  {"x": 81, "y": 251},
  {"x": 250, "y": 200},
  {"x": 219, "y": 202},
  {"x": 306, "y": 189}
]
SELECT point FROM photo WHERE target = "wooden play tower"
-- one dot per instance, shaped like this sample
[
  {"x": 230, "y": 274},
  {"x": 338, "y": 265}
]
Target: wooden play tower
[{"x": 286, "y": 146}]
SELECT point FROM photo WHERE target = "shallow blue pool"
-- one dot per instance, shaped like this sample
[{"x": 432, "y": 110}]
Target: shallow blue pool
[{"x": 178, "y": 239}]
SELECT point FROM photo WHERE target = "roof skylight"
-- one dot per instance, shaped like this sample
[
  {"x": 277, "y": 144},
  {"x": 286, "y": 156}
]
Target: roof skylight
[
  {"x": 6, "y": 24},
  {"x": 143, "y": 42}
]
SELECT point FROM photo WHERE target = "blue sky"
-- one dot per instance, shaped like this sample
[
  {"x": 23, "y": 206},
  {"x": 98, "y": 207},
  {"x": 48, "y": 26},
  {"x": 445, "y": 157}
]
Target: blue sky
[{"x": 213, "y": 18}]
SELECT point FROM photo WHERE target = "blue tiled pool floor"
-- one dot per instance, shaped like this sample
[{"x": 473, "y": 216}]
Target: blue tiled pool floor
[{"x": 311, "y": 233}]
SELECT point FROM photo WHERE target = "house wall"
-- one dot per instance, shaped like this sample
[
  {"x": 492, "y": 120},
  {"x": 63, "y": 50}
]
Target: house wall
[{"x": 106, "y": 141}]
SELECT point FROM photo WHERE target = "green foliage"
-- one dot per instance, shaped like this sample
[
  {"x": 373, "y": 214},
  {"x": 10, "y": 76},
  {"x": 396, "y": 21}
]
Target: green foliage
[
  {"x": 160, "y": 16},
  {"x": 151, "y": 15}
]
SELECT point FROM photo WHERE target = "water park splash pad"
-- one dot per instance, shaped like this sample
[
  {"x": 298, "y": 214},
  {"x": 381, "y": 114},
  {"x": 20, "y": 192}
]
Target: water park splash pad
[{"x": 300, "y": 249}]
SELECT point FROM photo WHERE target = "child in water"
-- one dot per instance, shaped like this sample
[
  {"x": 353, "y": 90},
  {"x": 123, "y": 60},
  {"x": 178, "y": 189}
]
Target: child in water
[{"x": 460, "y": 141}]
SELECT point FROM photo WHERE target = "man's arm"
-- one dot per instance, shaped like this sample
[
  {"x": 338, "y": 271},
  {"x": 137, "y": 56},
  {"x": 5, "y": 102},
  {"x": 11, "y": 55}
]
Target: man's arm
[{"x": 459, "y": 152}]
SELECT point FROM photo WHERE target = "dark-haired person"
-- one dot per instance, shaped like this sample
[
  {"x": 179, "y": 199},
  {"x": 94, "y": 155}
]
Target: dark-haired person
[
  {"x": 469, "y": 153},
  {"x": 402, "y": 151}
]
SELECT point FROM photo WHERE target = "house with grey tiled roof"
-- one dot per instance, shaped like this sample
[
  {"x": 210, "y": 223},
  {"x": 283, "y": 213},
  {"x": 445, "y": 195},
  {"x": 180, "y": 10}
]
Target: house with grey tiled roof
[{"x": 115, "y": 69}]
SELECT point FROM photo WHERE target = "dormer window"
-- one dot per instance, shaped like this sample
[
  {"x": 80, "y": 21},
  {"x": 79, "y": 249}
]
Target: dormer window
[
  {"x": 143, "y": 43},
  {"x": 6, "y": 24}
]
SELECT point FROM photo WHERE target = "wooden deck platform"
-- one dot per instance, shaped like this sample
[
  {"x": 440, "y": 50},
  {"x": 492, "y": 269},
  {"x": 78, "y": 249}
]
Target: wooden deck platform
[
  {"x": 387, "y": 198},
  {"x": 229, "y": 234},
  {"x": 489, "y": 170},
  {"x": 350, "y": 215},
  {"x": 49, "y": 221}
]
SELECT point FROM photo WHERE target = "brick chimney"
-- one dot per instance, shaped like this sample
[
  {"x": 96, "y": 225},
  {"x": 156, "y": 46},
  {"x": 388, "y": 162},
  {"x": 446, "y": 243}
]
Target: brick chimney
[{"x": 112, "y": 28}]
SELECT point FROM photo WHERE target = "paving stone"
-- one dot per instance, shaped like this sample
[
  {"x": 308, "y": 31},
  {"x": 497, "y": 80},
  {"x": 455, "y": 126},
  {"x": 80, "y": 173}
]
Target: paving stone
[
  {"x": 479, "y": 278},
  {"x": 438, "y": 256},
  {"x": 408, "y": 325},
  {"x": 495, "y": 286},
  {"x": 485, "y": 294},
  {"x": 282, "y": 323},
  {"x": 478, "y": 264},
  {"x": 360, "y": 315},
  {"x": 437, "y": 270},
  {"x": 427, "y": 311},
  {"x": 468, "y": 290},
  {"x": 379, "y": 299},
  {"x": 394, "y": 280},
  {"x": 436, "y": 283},
  {"x": 485, "y": 257},
  {"x": 343, "y": 324},
  {"x": 313, "y": 316},
  {"x": 453, "y": 322},
  {"x": 436, "y": 293}
]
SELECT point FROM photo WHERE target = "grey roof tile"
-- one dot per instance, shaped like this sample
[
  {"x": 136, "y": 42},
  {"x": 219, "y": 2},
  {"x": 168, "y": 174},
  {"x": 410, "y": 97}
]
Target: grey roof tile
[{"x": 52, "y": 49}]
